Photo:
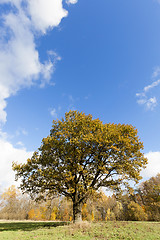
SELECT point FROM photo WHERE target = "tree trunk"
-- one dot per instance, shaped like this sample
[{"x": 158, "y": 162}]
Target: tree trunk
[{"x": 77, "y": 212}]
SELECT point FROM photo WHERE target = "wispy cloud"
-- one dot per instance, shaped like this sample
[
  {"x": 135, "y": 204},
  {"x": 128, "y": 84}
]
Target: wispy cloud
[
  {"x": 87, "y": 97},
  {"x": 154, "y": 84},
  {"x": 21, "y": 131},
  {"x": 53, "y": 113},
  {"x": 149, "y": 102},
  {"x": 156, "y": 72},
  {"x": 72, "y": 102},
  {"x": 20, "y": 144},
  {"x": 20, "y": 62},
  {"x": 71, "y": 1}
]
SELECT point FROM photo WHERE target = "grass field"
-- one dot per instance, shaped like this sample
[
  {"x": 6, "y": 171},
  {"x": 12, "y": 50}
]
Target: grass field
[{"x": 87, "y": 231}]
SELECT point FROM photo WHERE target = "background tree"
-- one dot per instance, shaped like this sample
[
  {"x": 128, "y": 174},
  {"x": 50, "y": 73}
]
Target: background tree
[
  {"x": 148, "y": 196},
  {"x": 65, "y": 210},
  {"x": 136, "y": 212},
  {"x": 104, "y": 207},
  {"x": 101, "y": 204},
  {"x": 81, "y": 155},
  {"x": 14, "y": 205}
]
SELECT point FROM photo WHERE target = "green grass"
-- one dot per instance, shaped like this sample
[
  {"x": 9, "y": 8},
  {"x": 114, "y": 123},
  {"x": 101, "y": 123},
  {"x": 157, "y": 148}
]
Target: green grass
[{"x": 87, "y": 231}]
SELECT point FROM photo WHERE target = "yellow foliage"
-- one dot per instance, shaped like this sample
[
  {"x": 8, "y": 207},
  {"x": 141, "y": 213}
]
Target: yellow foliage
[
  {"x": 35, "y": 214},
  {"x": 53, "y": 216},
  {"x": 84, "y": 212},
  {"x": 81, "y": 153},
  {"x": 11, "y": 193},
  {"x": 108, "y": 215},
  {"x": 66, "y": 215},
  {"x": 92, "y": 216},
  {"x": 31, "y": 214}
]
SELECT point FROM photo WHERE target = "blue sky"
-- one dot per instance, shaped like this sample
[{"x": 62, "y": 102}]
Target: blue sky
[{"x": 100, "y": 57}]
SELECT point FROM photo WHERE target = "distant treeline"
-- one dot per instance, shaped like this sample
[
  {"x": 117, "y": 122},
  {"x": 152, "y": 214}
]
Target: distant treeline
[{"x": 142, "y": 205}]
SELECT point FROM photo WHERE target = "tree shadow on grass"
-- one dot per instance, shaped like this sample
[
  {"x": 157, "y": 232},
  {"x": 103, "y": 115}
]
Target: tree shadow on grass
[{"x": 28, "y": 226}]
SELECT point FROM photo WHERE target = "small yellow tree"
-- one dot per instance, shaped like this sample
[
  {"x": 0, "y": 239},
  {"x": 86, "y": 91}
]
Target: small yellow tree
[{"x": 136, "y": 212}]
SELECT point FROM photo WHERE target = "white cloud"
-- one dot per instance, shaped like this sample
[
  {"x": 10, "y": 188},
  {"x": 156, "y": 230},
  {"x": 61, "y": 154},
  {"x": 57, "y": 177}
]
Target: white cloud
[
  {"x": 53, "y": 113},
  {"x": 141, "y": 101},
  {"x": 8, "y": 154},
  {"x": 3, "y": 135},
  {"x": 154, "y": 84},
  {"x": 153, "y": 167},
  {"x": 20, "y": 131},
  {"x": 86, "y": 97},
  {"x": 20, "y": 62},
  {"x": 46, "y": 14},
  {"x": 71, "y": 98},
  {"x": 149, "y": 102},
  {"x": 20, "y": 144},
  {"x": 142, "y": 94},
  {"x": 156, "y": 72},
  {"x": 71, "y": 1}
]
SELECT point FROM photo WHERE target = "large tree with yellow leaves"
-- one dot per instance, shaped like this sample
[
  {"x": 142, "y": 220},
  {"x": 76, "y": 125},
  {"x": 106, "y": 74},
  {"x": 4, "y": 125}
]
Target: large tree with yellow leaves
[{"x": 80, "y": 155}]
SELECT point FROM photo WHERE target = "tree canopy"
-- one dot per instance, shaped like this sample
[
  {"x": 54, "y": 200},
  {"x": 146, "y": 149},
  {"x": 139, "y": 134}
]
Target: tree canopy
[
  {"x": 80, "y": 155},
  {"x": 148, "y": 195}
]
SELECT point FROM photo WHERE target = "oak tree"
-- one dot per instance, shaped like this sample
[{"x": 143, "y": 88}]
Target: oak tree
[{"x": 80, "y": 155}]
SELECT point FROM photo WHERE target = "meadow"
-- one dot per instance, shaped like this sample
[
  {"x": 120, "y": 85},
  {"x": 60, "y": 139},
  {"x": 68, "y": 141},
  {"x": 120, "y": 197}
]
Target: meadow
[{"x": 18, "y": 230}]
